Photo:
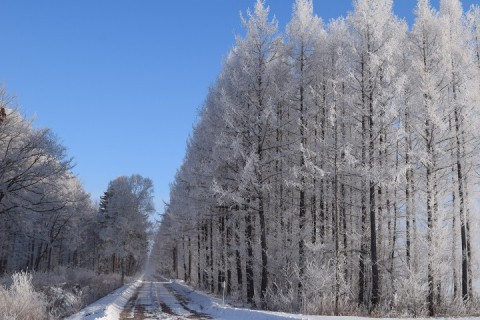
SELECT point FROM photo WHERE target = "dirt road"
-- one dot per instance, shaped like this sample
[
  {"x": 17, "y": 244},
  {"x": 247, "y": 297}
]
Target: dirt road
[{"x": 158, "y": 300}]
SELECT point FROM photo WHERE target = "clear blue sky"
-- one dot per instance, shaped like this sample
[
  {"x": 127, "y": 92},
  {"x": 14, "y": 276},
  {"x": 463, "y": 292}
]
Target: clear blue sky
[{"x": 120, "y": 81}]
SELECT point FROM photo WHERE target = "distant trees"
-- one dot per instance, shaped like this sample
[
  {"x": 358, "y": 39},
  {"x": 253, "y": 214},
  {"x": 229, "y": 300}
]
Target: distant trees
[
  {"x": 332, "y": 168},
  {"x": 47, "y": 218},
  {"x": 123, "y": 223}
]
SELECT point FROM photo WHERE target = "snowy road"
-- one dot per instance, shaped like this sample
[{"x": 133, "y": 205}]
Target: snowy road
[
  {"x": 159, "y": 300},
  {"x": 173, "y": 300}
]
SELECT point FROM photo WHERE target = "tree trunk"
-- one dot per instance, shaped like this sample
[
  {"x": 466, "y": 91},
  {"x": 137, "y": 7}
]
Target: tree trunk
[
  {"x": 454, "y": 220},
  {"x": 123, "y": 270},
  {"x": 189, "y": 260},
  {"x": 301, "y": 209},
  {"x": 184, "y": 261},
  {"x": 263, "y": 245},
  {"x": 363, "y": 246},
  {"x": 199, "y": 255},
  {"x": 238, "y": 259},
  {"x": 430, "y": 208},
  {"x": 211, "y": 275},
  {"x": 174, "y": 260},
  {"x": 461, "y": 206},
  {"x": 408, "y": 205},
  {"x": 373, "y": 229},
  {"x": 249, "y": 261}
]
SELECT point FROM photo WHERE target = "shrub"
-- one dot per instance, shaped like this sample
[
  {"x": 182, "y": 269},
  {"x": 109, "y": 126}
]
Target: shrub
[
  {"x": 20, "y": 301},
  {"x": 70, "y": 289}
]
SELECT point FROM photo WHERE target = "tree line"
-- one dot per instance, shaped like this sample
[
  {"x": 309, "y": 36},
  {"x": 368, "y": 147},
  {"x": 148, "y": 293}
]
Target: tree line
[
  {"x": 48, "y": 220},
  {"x": 333, "y": 166}
]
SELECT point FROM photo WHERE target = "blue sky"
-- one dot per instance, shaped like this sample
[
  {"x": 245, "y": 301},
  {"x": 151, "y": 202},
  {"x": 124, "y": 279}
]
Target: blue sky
[{"x": 120, "y": 81}]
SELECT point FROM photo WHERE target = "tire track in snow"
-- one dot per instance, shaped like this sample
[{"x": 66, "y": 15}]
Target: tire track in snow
[{"x": 157, "y": 300}]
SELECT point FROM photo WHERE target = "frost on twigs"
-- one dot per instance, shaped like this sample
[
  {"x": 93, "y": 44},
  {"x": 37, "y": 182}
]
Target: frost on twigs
[
  {"x": 332, "y": 171},
  {"x": 20, "y": 301}
]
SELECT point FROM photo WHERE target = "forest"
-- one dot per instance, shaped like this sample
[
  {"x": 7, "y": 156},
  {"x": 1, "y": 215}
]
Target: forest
[
  {"x": 54, "y": 239},
  {"x": 333, "y": 168}
]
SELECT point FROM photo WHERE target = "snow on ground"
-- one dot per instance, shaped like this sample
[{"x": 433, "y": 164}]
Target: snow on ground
[
  {"x": 110, "y": 306},
  {"x": 205, "y": 304},
  {"x": 175, "y": 300}
]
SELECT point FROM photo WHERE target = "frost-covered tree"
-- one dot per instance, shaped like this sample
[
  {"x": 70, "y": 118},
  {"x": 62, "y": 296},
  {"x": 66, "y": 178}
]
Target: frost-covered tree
[
  {"x": 124, "y": 224},
  {"x": 331, "y": 169},
  {"x": 250, "y": 113},
  {"x": 376, "y": 37},
  {"x": 42, "y": 204},
  {"x": 430, "y": 124},
  {"x": 461, "y": 105},
  {"x": 304, "y": 32},
  {"x": 32, "y": 159}
]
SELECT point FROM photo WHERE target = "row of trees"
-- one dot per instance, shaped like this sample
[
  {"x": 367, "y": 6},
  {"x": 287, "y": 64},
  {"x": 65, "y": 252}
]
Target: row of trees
[
  {"x": 47, "y": 219},
  {"x": 40, "y": 199},
  {"x": 333, "y": 166}
]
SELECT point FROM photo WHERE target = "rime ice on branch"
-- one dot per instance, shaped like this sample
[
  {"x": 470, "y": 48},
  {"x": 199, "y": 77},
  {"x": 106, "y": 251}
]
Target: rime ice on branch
[{"x": 332, "y": 170}]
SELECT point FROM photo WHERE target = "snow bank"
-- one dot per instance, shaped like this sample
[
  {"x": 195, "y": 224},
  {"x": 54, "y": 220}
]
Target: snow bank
[
  {"x": 205, "y": 304},
  {"x": 185, "y": 299},
  {"x": 110, "y": 306}
]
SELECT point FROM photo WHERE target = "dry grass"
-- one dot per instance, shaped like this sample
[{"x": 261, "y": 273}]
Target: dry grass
[{"x": 21, "y": 301}]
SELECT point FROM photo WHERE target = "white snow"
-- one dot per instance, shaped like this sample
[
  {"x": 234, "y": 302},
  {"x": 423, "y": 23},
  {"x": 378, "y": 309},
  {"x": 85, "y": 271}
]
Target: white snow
[
  {"x": 110, "y": 307},
  {"x": 203, "y": 303}
]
